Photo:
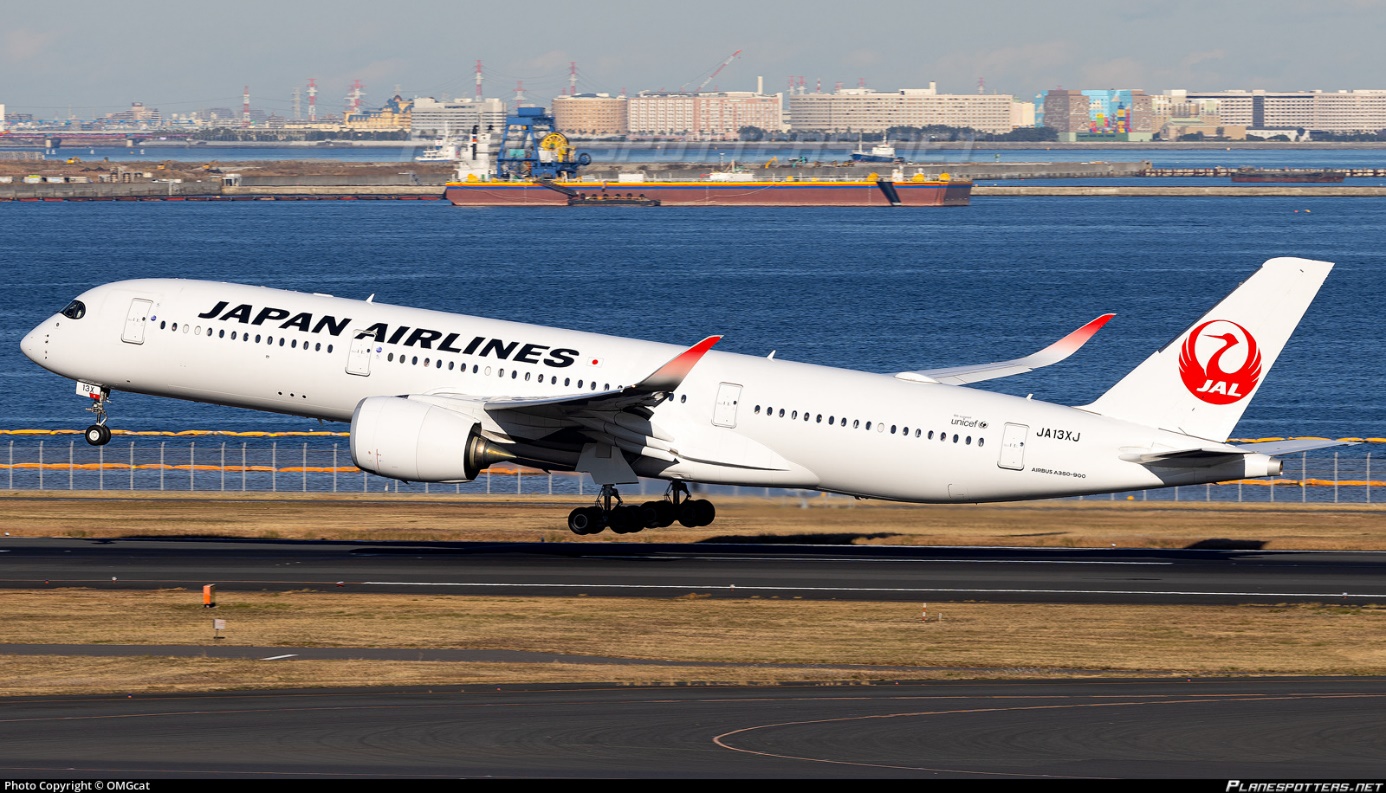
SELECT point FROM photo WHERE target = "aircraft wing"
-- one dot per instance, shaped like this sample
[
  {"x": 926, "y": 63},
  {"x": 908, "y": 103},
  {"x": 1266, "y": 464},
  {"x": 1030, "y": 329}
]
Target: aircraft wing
[
  {"x": 1058, "y": 351},
  {"x": 615, "y": 417}
]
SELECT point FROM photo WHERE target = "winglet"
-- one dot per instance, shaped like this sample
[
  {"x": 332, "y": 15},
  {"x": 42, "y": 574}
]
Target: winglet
[
  {"x": 669, "y": 376},
  {"x": 1058, "y": 351},
  {"x": 1068, "y": 345}
]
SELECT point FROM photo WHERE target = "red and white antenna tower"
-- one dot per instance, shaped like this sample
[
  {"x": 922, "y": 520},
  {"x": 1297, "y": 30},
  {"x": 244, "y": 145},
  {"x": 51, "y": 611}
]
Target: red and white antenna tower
[
  {"x": 818, "y": 86},
  {"x": 312, "y": 100},
  {"x": 519, "y": 92},
  {"x": 478, "y": 81},
  {"x": 981, "y": 85},
  {"x": 572, "y": 78},
  {"x": 354, "y": 98},
  {"x": 861, "y": 82},
  {"x": 245, "y": 108},
  {"x": 837, "y": 87}
]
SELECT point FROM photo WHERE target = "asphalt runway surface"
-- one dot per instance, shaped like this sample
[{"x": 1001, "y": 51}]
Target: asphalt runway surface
[
  {"x": 1228, "y": 729},
  {"x": 875, "y": 573}
]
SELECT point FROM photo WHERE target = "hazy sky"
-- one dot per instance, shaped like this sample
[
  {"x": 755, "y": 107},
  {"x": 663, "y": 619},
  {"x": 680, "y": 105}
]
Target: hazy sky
[{"x": 97, "y": 56}]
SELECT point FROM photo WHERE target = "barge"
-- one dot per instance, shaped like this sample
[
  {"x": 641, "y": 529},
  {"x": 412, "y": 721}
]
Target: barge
[{"x": 532, "y": 164}]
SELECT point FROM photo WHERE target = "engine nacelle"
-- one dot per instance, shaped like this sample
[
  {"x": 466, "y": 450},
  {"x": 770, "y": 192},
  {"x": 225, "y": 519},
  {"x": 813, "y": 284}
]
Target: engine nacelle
[{"x": 406, "y": 439}]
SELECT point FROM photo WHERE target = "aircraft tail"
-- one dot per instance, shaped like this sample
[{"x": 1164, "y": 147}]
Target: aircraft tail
[{"x": 1200, "y": 383}]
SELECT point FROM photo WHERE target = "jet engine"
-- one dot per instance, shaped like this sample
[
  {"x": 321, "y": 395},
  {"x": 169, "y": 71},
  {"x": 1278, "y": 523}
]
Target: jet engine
[{"x": 406, "y": 439}]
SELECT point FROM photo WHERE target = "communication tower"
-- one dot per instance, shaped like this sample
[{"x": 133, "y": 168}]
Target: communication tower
[
  {"x": 572, "y": 78},
  {"x": 478, "y": 81},
  {"x": 312, "y": 100},
  {"x": 298, "y": 105},
  {"x": 353, "y": 99},
  {"x": 245, "y": 109}
]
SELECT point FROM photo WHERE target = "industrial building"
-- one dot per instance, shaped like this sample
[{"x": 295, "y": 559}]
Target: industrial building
[
  {"x": 710, "y": 116},
  {"x": 1352, "y": 111}
]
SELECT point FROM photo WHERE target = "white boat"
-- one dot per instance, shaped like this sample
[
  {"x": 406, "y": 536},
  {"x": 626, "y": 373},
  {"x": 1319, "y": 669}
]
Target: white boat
[
  {"x": 447, "y": 149},
  {"x": 881, "y": 153}
]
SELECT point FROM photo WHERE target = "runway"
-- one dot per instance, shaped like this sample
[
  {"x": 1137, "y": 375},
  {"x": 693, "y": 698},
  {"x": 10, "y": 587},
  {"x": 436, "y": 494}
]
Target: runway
[
  {"x": 877, "y": 573},
  {"x": 1229, "y": 729}
]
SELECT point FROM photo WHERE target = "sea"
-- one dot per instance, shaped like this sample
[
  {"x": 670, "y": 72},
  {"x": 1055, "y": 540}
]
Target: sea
[{"x": 876, "y": 289}]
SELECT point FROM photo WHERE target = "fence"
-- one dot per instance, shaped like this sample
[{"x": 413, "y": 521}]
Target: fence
[{"x": 321, "y": 463}]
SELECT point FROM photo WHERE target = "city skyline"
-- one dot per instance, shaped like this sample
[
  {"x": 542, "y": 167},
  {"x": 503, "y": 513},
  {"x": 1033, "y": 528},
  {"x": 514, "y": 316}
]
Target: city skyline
[{"x": 96, "y": 58}]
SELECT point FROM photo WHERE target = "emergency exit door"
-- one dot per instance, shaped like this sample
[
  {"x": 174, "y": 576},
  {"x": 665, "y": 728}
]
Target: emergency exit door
[
  {"x": 724, "y": 413},
  {"x": 359, "y": 356}
]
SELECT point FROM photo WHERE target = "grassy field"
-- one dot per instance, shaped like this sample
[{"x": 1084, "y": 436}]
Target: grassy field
[
  {"x": 742, "y": 641},
  {"x": 752, "y": 641}
]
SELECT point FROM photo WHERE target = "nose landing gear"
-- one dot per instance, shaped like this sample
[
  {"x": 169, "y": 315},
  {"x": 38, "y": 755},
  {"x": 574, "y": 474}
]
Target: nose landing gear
[
  {"x": 629, "y": 519},
  {"x": 99, "y": 434}
]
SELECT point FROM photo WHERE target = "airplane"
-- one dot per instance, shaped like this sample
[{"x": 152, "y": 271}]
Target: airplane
[{"x": 438, "y": 397}]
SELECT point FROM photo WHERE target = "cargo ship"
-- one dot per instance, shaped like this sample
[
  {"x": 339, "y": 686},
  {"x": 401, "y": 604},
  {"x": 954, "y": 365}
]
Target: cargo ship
[
  {"x": 532, "y": 164},
  {"x": 1282, "y": 175}
]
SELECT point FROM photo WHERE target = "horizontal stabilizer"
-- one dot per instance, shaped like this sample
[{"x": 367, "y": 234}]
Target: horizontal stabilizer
[
  {"x": 1058, "y": 351},
  {"x": 1294, "y": 446}
]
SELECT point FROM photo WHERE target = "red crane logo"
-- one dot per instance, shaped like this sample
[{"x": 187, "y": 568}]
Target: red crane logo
[{"x": 1202, "y": 367}]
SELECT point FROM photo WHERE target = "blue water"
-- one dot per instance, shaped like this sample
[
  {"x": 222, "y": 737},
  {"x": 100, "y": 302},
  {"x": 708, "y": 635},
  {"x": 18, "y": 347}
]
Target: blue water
[{"x": 874, "y": 289}]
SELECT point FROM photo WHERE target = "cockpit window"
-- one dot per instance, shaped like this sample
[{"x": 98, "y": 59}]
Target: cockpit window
[{"x": 75, "y": 310}]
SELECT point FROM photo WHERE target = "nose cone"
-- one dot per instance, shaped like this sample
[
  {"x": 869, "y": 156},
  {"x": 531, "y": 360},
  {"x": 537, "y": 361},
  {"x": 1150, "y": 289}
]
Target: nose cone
[{"x": 32, "y": 345}]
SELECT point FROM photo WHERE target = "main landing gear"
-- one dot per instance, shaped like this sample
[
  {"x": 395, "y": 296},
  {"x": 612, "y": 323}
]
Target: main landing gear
[
  {"x": 624, "y": 519},
  {"x": 99, "y": 434}
]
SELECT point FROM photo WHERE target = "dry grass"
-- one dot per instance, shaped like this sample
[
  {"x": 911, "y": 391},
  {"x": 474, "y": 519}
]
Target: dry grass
[
  {"x": 972, "y": 640},
  {"x": 1090, "y": 523}
]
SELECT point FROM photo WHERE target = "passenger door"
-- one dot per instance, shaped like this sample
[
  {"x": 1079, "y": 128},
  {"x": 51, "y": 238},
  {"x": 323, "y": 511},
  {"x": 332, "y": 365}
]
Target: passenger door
[
  {"x": 359, "y": 357},
  {"x": 135, "y": 319},
  {"x": 724, "y": 413},
  {"x": 1013, "y": 447}
]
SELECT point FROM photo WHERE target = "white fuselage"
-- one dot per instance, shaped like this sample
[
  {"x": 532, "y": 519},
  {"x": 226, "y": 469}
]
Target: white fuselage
[{"x": 789, "y": 424}]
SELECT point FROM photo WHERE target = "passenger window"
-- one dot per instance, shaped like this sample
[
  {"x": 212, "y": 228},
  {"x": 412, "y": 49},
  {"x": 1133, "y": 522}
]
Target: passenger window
[
  {"x": 579, "y": 384},
  {"x": 294, "y": 344},
  {"x": 450, "y": 365},
  {"x": 856, "y": 423},
  {"x": 329, "y": 349},
  {"x": 317, "y": 347},
  {"x": 428, "y": 362},
  {"x": 819, "y": 420},
  {"x": 892, "y": 429},
  {"x": 221, "y": 334},
  {"x": 487, "y": 371},
  {"x": 567, "y": 381},
  {"x": 174, "y": 327},
  {"x": 757, "y": 410},
  {"x": 526, "y": 376},
  {"x": 390, "y": 358},
  {"x": 233, "y": 335},
  {"x": 880, "y": 428},
  {"x": 955, "y": 438},
  {"x": 868, "y": 426},
  {"x": 981, "y": 442},
  {"x": 794, "y": 414},
  {"x": 781, "y": 412},
  {"x": 162, "y": 325},
  {"x": 281, "y": 341},
  {"x": 257, "y": 338},
  {"x": 969, "y": 440}
]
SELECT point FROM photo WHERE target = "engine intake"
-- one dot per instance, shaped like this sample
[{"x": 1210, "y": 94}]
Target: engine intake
[{"x": 418, "y": 442}]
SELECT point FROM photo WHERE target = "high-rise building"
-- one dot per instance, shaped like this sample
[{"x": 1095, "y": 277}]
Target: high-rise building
[
  {"x": 591, "y": 115},
  {"x": 864, "y": 110},
  {"x": 1358, "y": 110},
  {"x": 710, "y": 116},
  {"x": 432, "y": 118}
]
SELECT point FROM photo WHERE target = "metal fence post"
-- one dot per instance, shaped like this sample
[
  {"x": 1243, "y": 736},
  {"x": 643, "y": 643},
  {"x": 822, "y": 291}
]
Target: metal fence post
[
  {"x": 71, "y": 449},
  {"x": 1303, "y": 477},
  {"x": 550, "y": 482},
  {"x": 12, "y": 465},
  {"x": 100, "y": 467},
  {"x": 334, "y": 468},
  {"x": 192, "y": 466},
  {"x": 305, "y": 467},
  {"x": 40, "y": 465},
  {"x": 1369, "y": 477},
  {"x": 488, "y": 481},
  {"x": 519, "y": 479},
  {"x": 1335, "y": 477},
  {"x": 132, "y": 465},
  {"x": 161, "y": 466},
  {"x": 223, "y": 466},
  {"x": 242, "y": 466},
  {"x": 274, "y": 466}
]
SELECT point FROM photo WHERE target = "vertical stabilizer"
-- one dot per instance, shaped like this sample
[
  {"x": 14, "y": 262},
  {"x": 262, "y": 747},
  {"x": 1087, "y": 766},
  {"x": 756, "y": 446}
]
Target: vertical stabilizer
[{"x": 1200, "y": 383}]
